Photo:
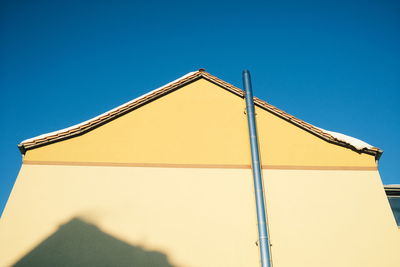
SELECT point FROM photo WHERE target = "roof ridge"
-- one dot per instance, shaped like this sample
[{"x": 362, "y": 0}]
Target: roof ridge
[{"x": 78, "y": 129}]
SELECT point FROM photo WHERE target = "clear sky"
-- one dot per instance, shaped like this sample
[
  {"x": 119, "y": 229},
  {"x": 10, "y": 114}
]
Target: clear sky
[{"x": 334, "y": 64}]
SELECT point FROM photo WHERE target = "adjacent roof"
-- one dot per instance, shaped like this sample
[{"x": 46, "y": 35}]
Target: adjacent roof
[
  {"x": 81, "y": 128},
  {"x": 392, "y": 189}
]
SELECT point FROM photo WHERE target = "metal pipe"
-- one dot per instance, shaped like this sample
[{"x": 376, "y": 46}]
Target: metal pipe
[{"x": 256, "y": 169}]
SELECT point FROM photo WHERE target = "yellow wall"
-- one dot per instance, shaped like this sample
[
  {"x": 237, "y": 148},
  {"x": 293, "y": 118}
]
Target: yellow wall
[
  {"x": 330, "y": 219},
  {"x": 198, "y": 124},
  {"x": 195, "y": 217}
]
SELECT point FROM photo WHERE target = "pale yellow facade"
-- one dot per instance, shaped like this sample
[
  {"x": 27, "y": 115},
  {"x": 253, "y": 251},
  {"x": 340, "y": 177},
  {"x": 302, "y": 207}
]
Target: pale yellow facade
[
  {"x": 171, "y": 181},
  {"x": 330, "y": 218},
  {"x": 196, "y": 217}
]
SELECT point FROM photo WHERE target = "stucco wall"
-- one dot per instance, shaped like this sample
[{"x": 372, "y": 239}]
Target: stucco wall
[
  {"x": 197, "y": 217},
  {"x": 330, "y": 218}
]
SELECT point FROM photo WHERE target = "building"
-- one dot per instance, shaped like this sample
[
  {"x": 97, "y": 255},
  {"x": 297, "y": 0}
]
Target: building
[
  {"x": 393, "y": 194},
  {"x": 165, "y": 180}
]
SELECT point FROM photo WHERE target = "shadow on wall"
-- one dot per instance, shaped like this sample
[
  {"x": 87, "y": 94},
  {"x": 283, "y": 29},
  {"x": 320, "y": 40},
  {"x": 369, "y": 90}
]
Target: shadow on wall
[{"x": 80, "y": 244}]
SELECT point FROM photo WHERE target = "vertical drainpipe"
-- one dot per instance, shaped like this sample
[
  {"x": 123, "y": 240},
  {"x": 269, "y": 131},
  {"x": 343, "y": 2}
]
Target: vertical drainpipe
[{"x": 256, "y": 168}]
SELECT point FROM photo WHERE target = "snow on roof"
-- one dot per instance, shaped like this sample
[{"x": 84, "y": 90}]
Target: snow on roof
[
  {"x": 392, "y": 186},
  {"x": 357, "y": 143},
  {"x": 101, "y": 115}
]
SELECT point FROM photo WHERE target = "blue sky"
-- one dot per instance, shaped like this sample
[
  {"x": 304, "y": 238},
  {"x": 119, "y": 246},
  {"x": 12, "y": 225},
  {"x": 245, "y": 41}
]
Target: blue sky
[{"x": 335, "y": 64}]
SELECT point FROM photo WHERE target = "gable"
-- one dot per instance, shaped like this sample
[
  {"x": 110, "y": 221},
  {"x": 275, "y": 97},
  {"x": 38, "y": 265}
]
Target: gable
[{"x": 201, "y": 124}]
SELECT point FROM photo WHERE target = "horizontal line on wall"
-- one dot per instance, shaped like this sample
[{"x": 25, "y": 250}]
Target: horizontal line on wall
[{"x": 205, "y": 166}]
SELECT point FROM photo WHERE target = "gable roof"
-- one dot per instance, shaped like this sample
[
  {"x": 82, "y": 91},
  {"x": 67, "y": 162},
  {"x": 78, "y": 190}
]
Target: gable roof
[{"x": 81, "y": 128}]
